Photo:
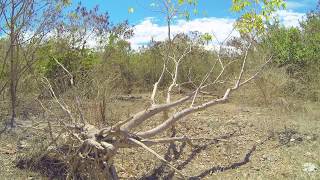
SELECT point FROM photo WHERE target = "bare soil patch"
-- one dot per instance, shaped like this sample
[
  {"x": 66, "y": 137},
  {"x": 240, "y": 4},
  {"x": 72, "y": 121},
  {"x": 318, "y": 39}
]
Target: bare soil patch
[{"x": 246, "y": 142}]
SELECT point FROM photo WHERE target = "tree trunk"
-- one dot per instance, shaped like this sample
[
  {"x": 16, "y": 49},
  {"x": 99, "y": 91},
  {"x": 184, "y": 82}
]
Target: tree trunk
[
  {"x": 169, "y": 28},
  {"x": 13, "y": 71},
  {"x": 105, "y": 170},
  {"x": 112, "y": 172}
]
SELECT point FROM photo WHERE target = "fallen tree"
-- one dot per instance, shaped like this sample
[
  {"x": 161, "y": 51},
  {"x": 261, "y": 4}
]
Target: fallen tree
[
  {"x": 90, "y": 146},
  {"x": 90, "y": 150}
]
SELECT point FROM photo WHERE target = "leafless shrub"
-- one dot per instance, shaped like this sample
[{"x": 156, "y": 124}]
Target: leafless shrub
[{"x": 92, "y": 143}]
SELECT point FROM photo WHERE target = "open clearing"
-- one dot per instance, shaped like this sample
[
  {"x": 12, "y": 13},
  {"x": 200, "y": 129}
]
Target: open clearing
[{"x": 246, "y": 142}]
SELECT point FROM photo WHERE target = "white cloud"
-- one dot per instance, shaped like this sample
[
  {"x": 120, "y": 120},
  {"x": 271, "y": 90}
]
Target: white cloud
[
  {"x": 290, "y": 18},
  {"x": 148, "y": 29}
]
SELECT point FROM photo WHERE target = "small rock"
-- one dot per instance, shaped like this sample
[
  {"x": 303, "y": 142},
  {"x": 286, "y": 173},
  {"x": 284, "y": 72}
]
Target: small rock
[
  {"x": 309, "y": 167},
  {"x": 256, "y": 169},
  {"x": 308, "y": 154},
  {"x": 309, "y": 138},
  {"x": 22, "y": 145},
  {"x": 268, "y": 158},
  {"x": 299, "y": 139},
  {"x": 250, "y": 124},
  {"x": 245, "y": 110},
  {"x": 292, "y": 140},
  {"x": 50, "y": 148}
]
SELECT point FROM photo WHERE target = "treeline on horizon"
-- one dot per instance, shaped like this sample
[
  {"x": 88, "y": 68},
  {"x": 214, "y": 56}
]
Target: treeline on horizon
[{"x": 114, "y": 66}]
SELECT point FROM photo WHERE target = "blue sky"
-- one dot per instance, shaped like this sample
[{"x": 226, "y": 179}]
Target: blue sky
[
  {"x": 118, "y": 9},
  {"x": 217, "y": 20}
]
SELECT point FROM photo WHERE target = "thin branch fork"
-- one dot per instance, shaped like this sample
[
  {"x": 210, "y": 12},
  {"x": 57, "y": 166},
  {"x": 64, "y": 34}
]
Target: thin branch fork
[
  {"x": 176, "y": 71},
  {"x": 65, "y": 69},
  {"x": 65, "y": 126},
  {"x": 155, "y": 86},
  {"x": 141, "y": 116},
  {"x": 223, "y": 67},
  {"x": 242, "y": 67},
  {"x": 61, "y": 104},
  {"x": 168, "y": 123},
  {"x": 158, "y": 156},
  {"x": 175, "y": 117},
  {"x": 202, "y": 82}
]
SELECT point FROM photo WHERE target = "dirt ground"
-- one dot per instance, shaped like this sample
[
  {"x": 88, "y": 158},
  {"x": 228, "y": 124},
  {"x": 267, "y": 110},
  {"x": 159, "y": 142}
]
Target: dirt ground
[{"x": 242, "y": 142}]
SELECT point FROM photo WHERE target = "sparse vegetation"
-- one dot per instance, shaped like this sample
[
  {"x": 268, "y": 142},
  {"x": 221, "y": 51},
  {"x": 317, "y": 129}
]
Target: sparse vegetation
[{"x": 170, "y": 110}]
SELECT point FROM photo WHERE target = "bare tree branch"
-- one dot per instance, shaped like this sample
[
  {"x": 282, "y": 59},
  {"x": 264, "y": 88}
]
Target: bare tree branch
[
  {"x": 158, "y": 156},
  {"x": 155, "y": 86},
  {"x": 177, "y": 116},
  {"x": 176, "y": 71},
  {"x": 141, "y": 116}
]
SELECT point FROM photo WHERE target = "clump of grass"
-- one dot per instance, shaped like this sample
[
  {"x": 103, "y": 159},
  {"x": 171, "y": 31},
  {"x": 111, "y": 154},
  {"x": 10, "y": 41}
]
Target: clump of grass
[{"x": 46, "y": 165}]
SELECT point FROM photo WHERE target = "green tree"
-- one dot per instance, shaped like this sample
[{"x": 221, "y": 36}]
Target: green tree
[
  {"x": 70, "y": 46},
  {"x": 296, "y": 49},
  {"x": 25, "y": 23},
  {"x": 255, "y": 13}
]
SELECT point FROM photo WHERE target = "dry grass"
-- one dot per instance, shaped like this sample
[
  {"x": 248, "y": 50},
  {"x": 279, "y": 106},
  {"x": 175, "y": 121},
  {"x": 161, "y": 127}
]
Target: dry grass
[
  {"x": 257, "y": 145},
  {"x": 260, "y": 127}
]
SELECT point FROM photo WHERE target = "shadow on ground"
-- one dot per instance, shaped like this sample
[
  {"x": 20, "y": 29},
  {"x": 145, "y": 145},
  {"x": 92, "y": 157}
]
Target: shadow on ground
[{"x": 174, "y": 152}]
